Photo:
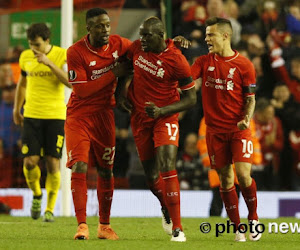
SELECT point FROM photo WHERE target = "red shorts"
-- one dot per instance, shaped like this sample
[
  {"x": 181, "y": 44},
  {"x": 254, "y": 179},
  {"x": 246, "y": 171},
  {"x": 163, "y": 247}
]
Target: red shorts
[
  {"x": 227, "y": 148},
  {"x": 151, "y": 133},
  {"x": 91, "y": 139}
]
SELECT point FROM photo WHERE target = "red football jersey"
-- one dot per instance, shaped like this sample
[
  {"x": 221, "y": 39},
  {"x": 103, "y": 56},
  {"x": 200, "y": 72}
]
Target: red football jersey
[
  {"x": 89, "y": 65},
  {"x": 156, "y": 75},
  {"x": 226, "y": 81}
]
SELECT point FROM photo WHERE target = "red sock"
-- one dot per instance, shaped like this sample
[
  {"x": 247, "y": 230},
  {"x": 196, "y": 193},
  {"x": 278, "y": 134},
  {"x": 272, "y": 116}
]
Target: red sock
[
  {"x": 79, "y": 193},
  {"x": 249, "y": 194},
  {"x": 158, "y": 189},
  {"x": 172, "y": 196},
  {"x": 231, "y": 202},
  {"x": 105, "y": 190}
]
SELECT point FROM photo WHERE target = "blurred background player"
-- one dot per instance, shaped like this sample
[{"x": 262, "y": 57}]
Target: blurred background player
[
  {"x": 41, "y": 85},
  {"x": 270, "y": 134},
  {"x": 158, "y": 65},
  {"x": 228, "y": 102},
  {"x": 90, "y": 124}
]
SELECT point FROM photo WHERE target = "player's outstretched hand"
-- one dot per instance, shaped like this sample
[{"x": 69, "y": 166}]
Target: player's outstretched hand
[
  {"x": 124, "y": 103},
  {"x": 244, "y": 124},
  {"x": 18, "y": 118},
  {"x": 123, "y": 69},
  {"x": 181, "y": 41},
  {"x": 152, "y": 110},
  {"x": 41, "y": 57}
]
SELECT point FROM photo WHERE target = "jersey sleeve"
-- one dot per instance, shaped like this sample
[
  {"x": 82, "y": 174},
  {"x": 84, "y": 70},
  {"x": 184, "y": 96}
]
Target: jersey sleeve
[
  {"x": 131, "y": 49},
  {"x": 249, "y": 79},
  {"x": 183, "y": 73},
  {"x": 125, "y": 45},
  {"x": 77, "y": 72},
  {"x": 197, "y": 68},
  {"x": 83, "y": 87},
  {"x": 21, "y": 62},
  {"x": 63, "y": 65}
]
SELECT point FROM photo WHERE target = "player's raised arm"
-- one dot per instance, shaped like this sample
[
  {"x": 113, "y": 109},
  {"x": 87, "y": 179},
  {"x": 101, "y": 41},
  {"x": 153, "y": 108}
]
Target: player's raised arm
[{"x": 60, "y": 73}]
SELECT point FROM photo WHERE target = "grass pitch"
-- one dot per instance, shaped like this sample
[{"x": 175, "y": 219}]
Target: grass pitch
[{"x": 135, "y": 233}]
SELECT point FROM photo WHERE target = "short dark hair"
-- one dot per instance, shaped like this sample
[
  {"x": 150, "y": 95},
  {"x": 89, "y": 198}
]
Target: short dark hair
[
  {"x": 219, "y": 21},
  {"x": 94, "y": 12},
  {"x": 156, "y": 23},
  {"x": 38, "y": 30}
]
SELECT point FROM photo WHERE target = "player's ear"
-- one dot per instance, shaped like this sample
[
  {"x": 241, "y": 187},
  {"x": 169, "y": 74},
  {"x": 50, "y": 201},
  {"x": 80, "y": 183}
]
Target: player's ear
[
  {"x": 88, "y": 28},
  {"x": 225, "y": 35}
]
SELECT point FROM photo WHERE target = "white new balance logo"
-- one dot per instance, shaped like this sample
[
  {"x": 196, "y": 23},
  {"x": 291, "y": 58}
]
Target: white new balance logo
[
  {"x": 246, "y": 155},
  {"x": 211, "y": 68},
  {"x": 92, "y": 63}
]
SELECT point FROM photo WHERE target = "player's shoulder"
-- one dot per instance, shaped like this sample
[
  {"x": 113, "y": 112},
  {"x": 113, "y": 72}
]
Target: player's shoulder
[
  {"x": 243, "y": 60},
  {"x": 77, "y": 45},
  {"x": 58, "y": 51},
  {"x": 172, "y": 51},
  {"x": 117, "y": 40},
  {"x": 244, "y": 63},
  {"x": 204, "y": 58},
  {"x": 27, "y": 53},
  {"x": 135, "y": 46}
]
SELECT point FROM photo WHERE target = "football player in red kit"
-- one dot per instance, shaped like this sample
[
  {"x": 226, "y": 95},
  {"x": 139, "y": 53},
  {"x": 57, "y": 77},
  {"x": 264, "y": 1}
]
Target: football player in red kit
[
  {"x": 159, "y": 69},
  {"x": 228, "y": 84},
  {"x": 90, "y": 126}
]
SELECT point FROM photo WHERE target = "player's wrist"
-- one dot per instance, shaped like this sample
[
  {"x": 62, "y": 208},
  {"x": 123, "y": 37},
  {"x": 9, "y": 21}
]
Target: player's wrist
[{"x": 162, "y": 111}]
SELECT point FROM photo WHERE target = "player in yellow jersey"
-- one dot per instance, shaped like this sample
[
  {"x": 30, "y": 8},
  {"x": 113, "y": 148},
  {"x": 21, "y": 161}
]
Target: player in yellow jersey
[{"x": 41, "y": 90}]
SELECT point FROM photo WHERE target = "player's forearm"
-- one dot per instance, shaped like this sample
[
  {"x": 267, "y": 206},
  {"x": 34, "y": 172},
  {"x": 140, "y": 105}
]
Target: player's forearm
[
  {"x": 83, "y": 90},
  {"x": 188, "y": 100},
  {"x": 122, "y": 86},
  {"x": 249, "y": 106},
  {"x": 60, "y": 74},
  {"x": 20, "y": 94}
]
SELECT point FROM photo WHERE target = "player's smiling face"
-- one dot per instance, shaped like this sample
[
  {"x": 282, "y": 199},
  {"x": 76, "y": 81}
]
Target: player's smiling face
[
  {"x": 150, "y": 39},
  {"x": 99, "y": 29},
  {"x": 39, "y": 44},
  {"x": 214, "y": 39}
]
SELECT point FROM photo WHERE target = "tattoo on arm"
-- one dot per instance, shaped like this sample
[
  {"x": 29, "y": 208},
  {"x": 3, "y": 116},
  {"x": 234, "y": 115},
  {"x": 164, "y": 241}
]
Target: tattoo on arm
[{"x": 249, "y": 106}]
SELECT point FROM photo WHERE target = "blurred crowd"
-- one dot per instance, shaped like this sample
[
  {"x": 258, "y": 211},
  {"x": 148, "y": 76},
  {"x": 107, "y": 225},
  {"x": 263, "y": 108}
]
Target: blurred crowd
[{"x": 265, "y": 31}]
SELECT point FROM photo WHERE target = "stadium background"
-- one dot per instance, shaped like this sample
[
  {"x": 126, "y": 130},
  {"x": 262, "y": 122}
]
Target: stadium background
[{"x": 126, "y": 17}]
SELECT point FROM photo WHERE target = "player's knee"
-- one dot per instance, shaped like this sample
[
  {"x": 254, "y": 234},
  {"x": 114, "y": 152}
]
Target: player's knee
[
  {"x": 31, "y": 161},
  {"x": 167, "y": 164},
  {"x": 105, "y": 173},
  {"x": 152, "y": 177},
  {"x": 226, "y": 181},
  {"x": 52, "y": 164},
  {"x": 244, "y": 180},
  {"x": 79, "y": 167}
]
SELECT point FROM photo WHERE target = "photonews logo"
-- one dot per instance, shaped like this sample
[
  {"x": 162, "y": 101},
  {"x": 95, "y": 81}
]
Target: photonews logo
[{"x": 228, "y": 227}]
